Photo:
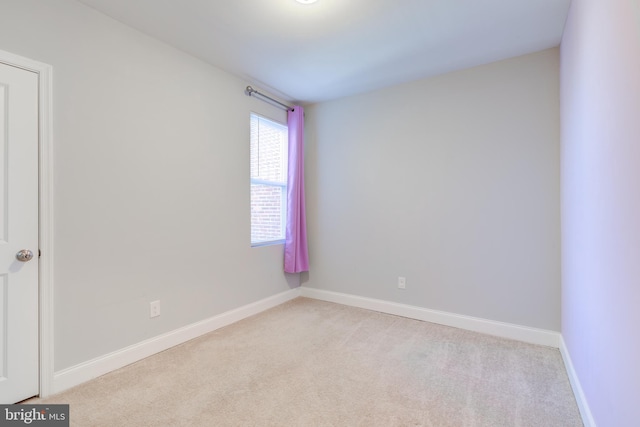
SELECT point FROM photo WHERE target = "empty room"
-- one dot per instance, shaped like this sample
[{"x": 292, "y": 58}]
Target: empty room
[{"x": 320, "y": 213}]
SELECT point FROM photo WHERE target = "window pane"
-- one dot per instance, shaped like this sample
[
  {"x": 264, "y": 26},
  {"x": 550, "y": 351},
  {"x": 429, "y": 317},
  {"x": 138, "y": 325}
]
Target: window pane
[
  {"x": 268, "y": 150},
  {"x": 267, "y": 213}
]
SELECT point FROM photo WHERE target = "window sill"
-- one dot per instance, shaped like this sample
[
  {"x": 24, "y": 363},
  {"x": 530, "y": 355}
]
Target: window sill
[{"x": 269, "y": 243}]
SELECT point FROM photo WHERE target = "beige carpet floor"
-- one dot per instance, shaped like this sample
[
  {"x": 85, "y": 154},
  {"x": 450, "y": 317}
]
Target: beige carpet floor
[{"x": 313, "y": 363}]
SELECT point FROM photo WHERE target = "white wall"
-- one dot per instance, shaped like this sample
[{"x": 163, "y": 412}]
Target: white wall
[
  {"x": 151, "y": 157},
  {"x": 451, "y": 181},
  {"x": 601, "y": 205}
]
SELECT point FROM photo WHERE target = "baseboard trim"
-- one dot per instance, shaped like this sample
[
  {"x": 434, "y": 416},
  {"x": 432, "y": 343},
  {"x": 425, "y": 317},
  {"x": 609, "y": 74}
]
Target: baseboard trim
[
  {"x": 91, "y": 369},
  {"x": 583, "y": 405},
  {"x": 491, "y": 327}
]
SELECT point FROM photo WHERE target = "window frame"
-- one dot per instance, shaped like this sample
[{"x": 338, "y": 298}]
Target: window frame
[{"x": 282, "y": 185}]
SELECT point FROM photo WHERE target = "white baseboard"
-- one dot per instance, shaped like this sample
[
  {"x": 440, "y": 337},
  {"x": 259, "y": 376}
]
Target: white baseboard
[
  {"x": 86, "y": 371},
  {"x": 583, "y": 405},
  {"x": 491, "y": 327}
]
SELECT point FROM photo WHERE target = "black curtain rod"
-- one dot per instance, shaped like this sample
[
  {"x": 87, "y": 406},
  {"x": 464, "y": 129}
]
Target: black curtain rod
[{"x": 249, "y": 91}]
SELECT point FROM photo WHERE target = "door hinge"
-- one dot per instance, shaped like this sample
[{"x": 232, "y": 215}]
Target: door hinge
[{"x": 39, "y": 253}]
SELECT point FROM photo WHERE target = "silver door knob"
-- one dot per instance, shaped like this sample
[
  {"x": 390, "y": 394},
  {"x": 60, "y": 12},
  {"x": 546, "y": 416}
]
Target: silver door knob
[{"x": 24, "y": 255}]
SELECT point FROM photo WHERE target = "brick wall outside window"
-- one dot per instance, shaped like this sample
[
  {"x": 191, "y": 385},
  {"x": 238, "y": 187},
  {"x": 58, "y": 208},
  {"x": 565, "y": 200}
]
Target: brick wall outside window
[{"x": 268, "y": 179}]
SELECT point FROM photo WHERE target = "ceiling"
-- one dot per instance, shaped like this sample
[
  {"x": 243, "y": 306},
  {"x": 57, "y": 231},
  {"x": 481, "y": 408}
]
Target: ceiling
[{"x": 336, "y": 48}]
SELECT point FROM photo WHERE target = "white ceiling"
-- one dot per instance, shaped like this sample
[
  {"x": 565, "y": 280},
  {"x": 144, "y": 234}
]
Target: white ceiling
[{"x": 335, "y": 48}]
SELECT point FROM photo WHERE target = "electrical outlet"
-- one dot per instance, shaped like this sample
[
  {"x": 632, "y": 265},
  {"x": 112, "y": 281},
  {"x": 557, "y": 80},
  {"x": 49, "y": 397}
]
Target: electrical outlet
[
  {"x": 154, "y": 309},
  {"x": 402, "y": 282}
]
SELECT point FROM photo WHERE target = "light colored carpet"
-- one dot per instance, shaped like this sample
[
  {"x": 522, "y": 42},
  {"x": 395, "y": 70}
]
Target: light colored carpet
[{"x": 313, "y": 363}]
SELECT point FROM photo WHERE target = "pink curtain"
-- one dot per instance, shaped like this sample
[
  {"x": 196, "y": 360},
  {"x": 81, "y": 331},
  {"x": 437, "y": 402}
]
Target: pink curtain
[{"x": 296, "y": 256}]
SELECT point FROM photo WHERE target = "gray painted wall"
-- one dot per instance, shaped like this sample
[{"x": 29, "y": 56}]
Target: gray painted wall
[
  {"x": 452, "y": 182},
  {"x": 601, "y": 205},
  {"x": 151, "y": 191}
]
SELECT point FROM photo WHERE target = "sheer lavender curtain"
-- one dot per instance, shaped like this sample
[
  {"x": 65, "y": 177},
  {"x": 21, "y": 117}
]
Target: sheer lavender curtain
[{"x": 296, "y": 256}]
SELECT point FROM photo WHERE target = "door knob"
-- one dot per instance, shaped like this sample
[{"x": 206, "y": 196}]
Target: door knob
[{"x": 24, "y": 255}]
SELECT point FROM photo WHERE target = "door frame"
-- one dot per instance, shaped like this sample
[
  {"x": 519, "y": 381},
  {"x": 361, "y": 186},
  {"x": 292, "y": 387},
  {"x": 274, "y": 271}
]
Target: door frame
[{"x": 45, "y": 214}]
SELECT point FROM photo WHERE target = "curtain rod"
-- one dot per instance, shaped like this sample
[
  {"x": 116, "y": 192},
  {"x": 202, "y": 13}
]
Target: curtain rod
[{"x": 249, "y": 91}]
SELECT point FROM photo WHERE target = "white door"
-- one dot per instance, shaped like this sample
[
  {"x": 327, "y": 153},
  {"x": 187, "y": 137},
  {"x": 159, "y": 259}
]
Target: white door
[{"x": 18, "y": 232}]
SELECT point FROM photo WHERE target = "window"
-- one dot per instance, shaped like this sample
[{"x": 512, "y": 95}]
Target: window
[{"x": 269, "y": 142}]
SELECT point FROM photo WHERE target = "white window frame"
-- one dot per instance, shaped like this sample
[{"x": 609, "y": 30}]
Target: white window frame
[{"x": 283, "y": 185}]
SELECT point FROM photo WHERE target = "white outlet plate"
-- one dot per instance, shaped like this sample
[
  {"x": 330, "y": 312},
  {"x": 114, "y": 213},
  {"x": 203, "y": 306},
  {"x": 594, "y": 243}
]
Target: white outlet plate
[
  {"x": 402, "y": 282},
  {"x": 154, "y": 309}
]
